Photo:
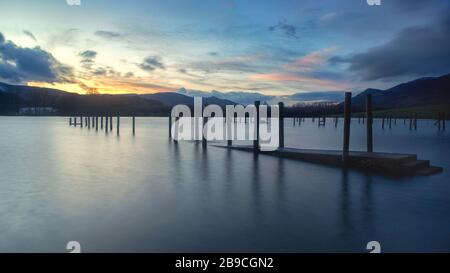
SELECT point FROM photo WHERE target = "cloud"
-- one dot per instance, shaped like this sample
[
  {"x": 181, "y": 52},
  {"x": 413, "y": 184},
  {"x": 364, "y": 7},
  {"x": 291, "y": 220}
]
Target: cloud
[
  {"x": 310, "y": 61},
  {"x": 289, "y": 30},
  {"x": 20, "y": 65},
  {"x": 29, "y": 34},
  {"x": 88, "y": 54},
  {"x": 88, "y": 58},
  {"x": 107, "y": 34},
  {"x": 213, "y": 53},
  {"x": 415, "y": 51},
  {"x": 151, "y": 63}
]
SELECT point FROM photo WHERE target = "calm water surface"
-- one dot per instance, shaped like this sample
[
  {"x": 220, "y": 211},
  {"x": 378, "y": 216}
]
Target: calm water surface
[{"x": 144, "y": 193}]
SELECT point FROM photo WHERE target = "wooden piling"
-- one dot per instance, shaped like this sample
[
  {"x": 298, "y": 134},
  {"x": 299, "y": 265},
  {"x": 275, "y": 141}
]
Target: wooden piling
[
  {"x": 415, "y": 121},
  {"x": 70, "y": 121},
  {"x": 96, "y": 123},
  {"x": 443, "y": 121},
  {"x": 281, "y": 124},
  {"x": 382, "y": 123},
  {"x": 134, "y": 125},
  {"x": 175, "y": 130},
  {"x": 118, "y": 125},
  {"x": 170, "y": 126},
  {"x": 106, "y": 124},
  {"x": 75, "y": 121},
  {"x": 256, "y": 141},
  {"x": 204, "y": 140},
  {"x": 101, "y": 122},
  {"x": 347, "y": 116},
  {"x": 369, "y": 134},
  {"x": 111, "y": 123},
  {"x": 81, "y": 121}
]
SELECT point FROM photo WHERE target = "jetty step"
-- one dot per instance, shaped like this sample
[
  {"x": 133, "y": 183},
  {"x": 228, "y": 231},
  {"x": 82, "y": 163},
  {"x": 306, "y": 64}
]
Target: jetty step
[{"x": 381, "y": 163}]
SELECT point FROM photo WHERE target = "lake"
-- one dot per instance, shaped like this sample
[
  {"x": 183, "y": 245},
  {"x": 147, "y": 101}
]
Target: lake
[{"x": 144, "y": 193}]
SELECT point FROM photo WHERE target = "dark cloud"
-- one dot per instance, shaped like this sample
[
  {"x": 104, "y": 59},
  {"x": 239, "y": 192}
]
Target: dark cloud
[
  {"x": 88, "y": 54},
  {"x": 107, "y": 34},
  {"x": 88, "y": 58},
  {"x": 415, "y": 51},
  {"x": 29, "y": 34},
  {"x": 20, "y": 64},
  {"x": 182, "y": 70},
  {"x": 151, "y": 63},
  {"x": 289, "y": 30}
]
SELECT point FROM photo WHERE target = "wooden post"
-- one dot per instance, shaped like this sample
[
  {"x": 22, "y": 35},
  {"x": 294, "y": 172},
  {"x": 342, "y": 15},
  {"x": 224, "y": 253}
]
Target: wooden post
[
  {"x": 96, "y": 123},
  {"x": 81, "y": 121},
  {"x": 347, "y": 116},
  {"x": 75, "y": 121},
  {"x": 415, "y": 121},
  {"x": 228, "y": 131},
  {"x": 111, "y": 123},
  {"x": 101, "y": 122},
  {"x": 438, "y": 121},
  {"x": 118, "y": 125},
  {"x": 390, "y": 123},
  {"x": 382, "y": 123},
  {"x": 369, "y": 134},
  {"x": 281, "y": 124},
  {"x": 443, "y": 121},
  {"x": 256, "y": 141},
  {"x": 134, "y": 125},
  {"x": 175, "y": 130},
  {"x": 170, "y": 126},
  {"x": 106, "y": 124},
  {"x": 204, "y": 140},
  {"x": 88, "y": 119},
  {"x": 70, "y": 121},
  {"x": 410, "y": 123}
]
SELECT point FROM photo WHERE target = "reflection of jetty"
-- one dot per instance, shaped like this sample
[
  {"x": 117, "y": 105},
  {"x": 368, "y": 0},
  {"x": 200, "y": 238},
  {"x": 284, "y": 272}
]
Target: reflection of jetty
[{"x": 383, "y": 163}]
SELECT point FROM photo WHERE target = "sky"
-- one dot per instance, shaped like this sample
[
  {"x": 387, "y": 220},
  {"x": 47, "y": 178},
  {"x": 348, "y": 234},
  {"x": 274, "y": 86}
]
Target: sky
[{"x": 277, "y": 47}]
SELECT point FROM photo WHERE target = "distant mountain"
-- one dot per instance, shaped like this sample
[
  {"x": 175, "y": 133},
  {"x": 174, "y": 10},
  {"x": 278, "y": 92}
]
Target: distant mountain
[
  {"x": 420, "y": 92},
  {"x": 246, "y": 98},
  {"x": 14, "y": 97},
  {"x": 171, "y": 99}
]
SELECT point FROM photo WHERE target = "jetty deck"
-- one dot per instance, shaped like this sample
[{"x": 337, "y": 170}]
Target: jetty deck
[{"x": 380, "y": 163}]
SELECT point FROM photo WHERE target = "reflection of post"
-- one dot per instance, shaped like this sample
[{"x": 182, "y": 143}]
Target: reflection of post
[
  {"x": 70, "y": 121},
  {"x": 347, "y": 116},
  {"x": 101, "y": 122},
  {"x": 281, "y": 124},
  {"x": 369, "y": 123},
  {"x": 96, "y": 123},
  {"x": 81, "y": 121},
  {"x": 75, "y": 121},
  {"x": 256, "y": 141}
]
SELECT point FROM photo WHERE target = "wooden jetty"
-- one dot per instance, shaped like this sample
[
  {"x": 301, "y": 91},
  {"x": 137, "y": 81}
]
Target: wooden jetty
[{"x": 381, "y": 163}]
